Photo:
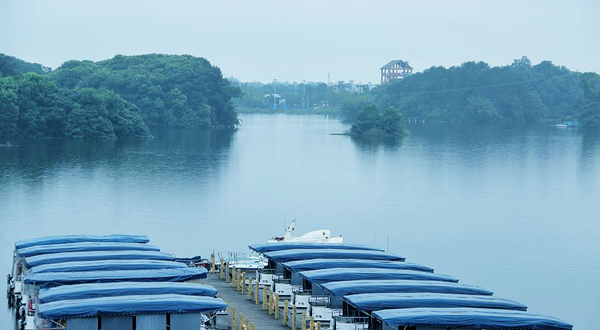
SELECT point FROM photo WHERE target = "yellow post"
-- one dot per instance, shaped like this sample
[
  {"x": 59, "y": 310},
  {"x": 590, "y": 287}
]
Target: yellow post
[
  {"x": 253, "y": 326},
  {"x": 303, "y": 324},
  {"x": 233, "y": 281},
  {"x": 221, "y": 269},
  {"x": 243, "y": 283},
  {"x": 247, "y": 322},
  {"x": 312, "y": 323},
  {"x": 277, "y": 307},
  {"x": 233, "y": 324},
  {"x": 241, "y": 321},
  {"x": 318, "y": 325},
  {"x": 239, "y": 279},
  {"x": 265, "y": 302},
  {"x": 250, "y": 288},
  {"x": 270, "y": 299},
  {"x": 285, "y": 312},
  {"x": 212, "y": 262},
  {"x": 294, "y": 317},
  {"x": 227, "y": 272},
  {"x": 257, "y": 291}
]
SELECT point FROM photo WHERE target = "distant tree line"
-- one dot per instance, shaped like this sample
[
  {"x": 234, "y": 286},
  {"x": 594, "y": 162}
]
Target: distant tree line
[
  {"x": 475, "y": 92},
  {"x": 116, "y": 98}
]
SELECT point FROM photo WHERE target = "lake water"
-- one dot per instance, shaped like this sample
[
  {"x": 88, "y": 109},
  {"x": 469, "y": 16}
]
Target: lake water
[{"x": 514, "y": 210}]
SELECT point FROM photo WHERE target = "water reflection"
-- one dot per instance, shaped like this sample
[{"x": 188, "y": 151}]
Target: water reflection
[
  {"x": 36, "y": 160},
  {"x": 372, "y": 145}
]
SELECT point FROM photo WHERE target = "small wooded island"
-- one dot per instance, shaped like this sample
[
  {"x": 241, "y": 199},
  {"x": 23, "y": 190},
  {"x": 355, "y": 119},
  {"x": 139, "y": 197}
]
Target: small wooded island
[{"x": 129, "y": 96}]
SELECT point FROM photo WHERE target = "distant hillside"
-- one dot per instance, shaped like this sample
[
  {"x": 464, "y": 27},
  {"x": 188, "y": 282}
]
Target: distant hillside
[{"x": 12, "y": 66}]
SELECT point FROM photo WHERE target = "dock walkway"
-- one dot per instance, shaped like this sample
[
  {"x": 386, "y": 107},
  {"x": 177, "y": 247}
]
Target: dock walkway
[{"x": 250, "y": 310}]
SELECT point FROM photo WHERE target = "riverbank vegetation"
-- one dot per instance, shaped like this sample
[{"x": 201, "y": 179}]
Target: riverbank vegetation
[
  {"x": 475, "y": 92},
  {"x": 125, "y": 96},
  {"x": 129, "y": 96},
  {"x": 372, "y": 122}
]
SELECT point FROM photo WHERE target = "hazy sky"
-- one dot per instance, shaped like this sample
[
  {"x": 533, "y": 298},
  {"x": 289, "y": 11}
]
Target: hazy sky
[{"x": 305, "y": 40}]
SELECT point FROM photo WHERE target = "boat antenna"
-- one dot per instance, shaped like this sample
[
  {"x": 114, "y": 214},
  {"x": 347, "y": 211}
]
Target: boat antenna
[
  {"x": 374, "y": 237},
  {"x": 387, "y": 248}
]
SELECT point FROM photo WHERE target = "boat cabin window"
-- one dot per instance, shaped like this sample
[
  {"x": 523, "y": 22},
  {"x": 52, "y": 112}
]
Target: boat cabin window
[
  {"x": 117, "y": 323},
  {"x": 87, "y": 323},
  {"x": 151, "y": 322}
]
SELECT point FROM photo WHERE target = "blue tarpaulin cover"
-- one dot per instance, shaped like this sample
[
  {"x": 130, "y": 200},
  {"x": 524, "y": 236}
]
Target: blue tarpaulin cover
[
  {"x": 471, "y": 318},
  {"x": 84, "y": 247},
  {"x": 100, "y": 265},
  {"x": 153, "y": 275},
  {"x": 376, "y": 301},
  {"x": 97, "y": 290},
  {"x": 95, "y": 255},
  {"x": 343, "y": 288},
  {"x": 300, "y": 254},
  {"x": 81, "y": 238},
  {"x": 130, "y": 305},
  {"x": 350, "y": 274},
  {"x": 314, "y": 264},
  {"x": 270, "y": 247}
]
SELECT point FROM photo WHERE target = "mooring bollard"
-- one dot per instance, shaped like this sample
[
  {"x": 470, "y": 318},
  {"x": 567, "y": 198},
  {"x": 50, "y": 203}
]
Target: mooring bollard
[
  {"x": 233, "y": 324},
  {"x": 253, "y": 326},
  {"x": 285, "y": 312},
  {"x": 319, "y": 325},
  {"x": 294, "y": 317},
  {"x": 312, "y": 323},
  {"x": 241, "y": 320},
  {"x": 247, "y": 323}
]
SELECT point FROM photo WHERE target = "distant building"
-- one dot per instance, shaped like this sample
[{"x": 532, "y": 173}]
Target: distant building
[{"x": 396, "y": 69}]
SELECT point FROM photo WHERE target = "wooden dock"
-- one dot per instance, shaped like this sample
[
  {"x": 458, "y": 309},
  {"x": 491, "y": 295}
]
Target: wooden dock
[{"x": 247, "y": 311}]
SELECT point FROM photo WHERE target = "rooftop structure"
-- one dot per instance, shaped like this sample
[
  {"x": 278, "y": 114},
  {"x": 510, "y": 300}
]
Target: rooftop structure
[{"x": 396, "y": 69}]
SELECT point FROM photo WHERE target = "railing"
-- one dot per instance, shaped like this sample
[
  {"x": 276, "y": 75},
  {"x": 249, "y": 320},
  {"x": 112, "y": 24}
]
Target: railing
[
  {"x": 351, "y": 319},
  {"x": 320, "y": 300},
  {"x": 282, "y": 280},
  {"x": 301, "y": 291}
]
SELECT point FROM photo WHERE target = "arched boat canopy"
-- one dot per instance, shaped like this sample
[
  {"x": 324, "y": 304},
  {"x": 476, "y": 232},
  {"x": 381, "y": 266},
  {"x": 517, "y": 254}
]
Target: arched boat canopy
[
  {"x": 271, "y": 247},
  {"x": 102, "y": 265},
  {"x": 146, "y": 275},
  {"x": 376, "y": 301},
  {"x": 95, "y": 255},
  {"x": 97, "y": 290},
  {"x": 63, "y": 239},
  {"x": 84, "y": 247},
  {"x": 343, "y": 288},
  {"x": 314, "y": 264},
  {"x": 350, "y": 274},
  {"x": 130, "y": 305},
  {"x": 470, "y": 318},
  {"x": 301, "y": 254}
]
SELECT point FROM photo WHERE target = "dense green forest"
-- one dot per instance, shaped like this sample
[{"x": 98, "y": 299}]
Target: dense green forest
[
  {"x": 116, "y": 98},
  {"x": 128, "y": 96},
  {"x": 475, "y": 92}
]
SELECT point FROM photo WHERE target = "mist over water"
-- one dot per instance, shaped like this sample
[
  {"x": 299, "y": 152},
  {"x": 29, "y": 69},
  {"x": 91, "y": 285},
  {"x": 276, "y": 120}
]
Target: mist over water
[{"x": 514, "y": 210}]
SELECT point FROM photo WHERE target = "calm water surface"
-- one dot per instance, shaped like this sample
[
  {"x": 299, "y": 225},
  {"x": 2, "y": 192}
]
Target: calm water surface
[{"x": 513, "y": 210}]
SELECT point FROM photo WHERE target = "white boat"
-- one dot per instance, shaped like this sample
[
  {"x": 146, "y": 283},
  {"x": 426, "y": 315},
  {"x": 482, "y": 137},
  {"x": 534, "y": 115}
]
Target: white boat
[{"x": 317, "y": 236}]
